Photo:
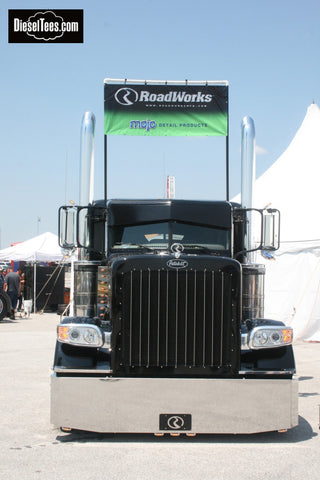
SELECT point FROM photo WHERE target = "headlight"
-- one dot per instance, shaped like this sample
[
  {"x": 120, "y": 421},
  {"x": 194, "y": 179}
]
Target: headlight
[
  {"x": 270, "y": 337},
  {"x": 80, "y": 334}
]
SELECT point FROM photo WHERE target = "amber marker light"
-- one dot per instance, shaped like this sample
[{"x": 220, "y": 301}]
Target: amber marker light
[
  {"x": 63, "y": 333},
  {"x": 287, "y": 335}
]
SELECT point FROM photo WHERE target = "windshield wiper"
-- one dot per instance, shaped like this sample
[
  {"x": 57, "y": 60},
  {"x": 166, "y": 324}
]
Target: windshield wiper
[
  {"x": 199, "y": 247},
  {"x": 139, "y": 245}
]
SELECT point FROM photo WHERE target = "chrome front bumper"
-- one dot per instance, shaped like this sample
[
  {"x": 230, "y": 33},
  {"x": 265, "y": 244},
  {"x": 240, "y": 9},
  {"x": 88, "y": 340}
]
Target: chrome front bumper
[{"x": 134, "y": 405}]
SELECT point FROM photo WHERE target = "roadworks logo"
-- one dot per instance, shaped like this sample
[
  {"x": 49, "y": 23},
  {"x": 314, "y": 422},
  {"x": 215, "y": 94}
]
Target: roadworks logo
[
  {"x": 128, "y": 96},
  {"x": 47, "y": 26}
]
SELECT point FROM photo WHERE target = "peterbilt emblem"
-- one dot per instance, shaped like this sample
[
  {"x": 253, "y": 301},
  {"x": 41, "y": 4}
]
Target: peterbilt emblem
[
  {"x": 177, "y": 263},
  {"x": 177, "y": 248},
  {"x": 175, "y": 422}
]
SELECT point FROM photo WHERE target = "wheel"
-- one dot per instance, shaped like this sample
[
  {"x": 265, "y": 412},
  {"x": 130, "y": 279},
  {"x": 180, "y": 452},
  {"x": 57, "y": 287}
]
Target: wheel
[{"x": 5, "y": 305}]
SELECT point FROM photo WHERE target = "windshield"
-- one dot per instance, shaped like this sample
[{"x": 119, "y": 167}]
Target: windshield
[{"x": 160, "y": 236}]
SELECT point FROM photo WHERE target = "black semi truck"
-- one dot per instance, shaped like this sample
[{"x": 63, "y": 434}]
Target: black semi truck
[{"x": 167, "y": 331}]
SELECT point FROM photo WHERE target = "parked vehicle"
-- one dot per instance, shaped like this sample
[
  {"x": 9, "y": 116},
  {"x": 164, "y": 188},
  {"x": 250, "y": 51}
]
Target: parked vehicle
[{"x": 168, "y": 333}]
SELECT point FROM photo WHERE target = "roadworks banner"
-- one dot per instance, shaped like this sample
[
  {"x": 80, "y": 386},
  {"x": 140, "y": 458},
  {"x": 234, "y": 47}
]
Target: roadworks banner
[{"x": 166, "y": 110}]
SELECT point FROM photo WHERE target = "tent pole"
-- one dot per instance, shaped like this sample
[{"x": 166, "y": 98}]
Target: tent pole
[{"x": 34, "y": 287}]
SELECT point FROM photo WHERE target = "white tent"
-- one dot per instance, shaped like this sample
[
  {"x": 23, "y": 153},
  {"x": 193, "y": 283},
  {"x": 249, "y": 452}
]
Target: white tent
[
  {"x": 292, "y": 185},
  {"x": 43, "y": 248}
]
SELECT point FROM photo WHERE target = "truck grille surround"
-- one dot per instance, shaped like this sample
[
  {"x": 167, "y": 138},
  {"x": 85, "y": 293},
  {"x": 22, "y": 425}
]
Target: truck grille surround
[{"x": 176, "y": 321}]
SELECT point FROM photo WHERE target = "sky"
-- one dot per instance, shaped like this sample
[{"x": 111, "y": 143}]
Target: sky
[{"x": 268, "y": 51}]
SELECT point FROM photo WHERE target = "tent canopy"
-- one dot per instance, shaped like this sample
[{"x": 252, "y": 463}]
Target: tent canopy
[
  {"x": 291, "y": 184},
  {"x": 43, "y": 248}
]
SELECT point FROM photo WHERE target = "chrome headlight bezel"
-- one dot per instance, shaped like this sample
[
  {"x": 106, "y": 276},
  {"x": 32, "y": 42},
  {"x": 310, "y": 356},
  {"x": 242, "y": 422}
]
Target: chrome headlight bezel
[
  {"x": 270, "y": 336},
  {"x": 80, "y": 334}
]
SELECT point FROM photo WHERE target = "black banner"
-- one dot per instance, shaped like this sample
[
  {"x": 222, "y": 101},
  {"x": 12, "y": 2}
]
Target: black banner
[{"x": 45, "y": 26}]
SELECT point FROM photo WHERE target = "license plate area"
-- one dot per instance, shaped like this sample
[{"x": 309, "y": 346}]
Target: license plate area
[{"x": 175, "y": 421}]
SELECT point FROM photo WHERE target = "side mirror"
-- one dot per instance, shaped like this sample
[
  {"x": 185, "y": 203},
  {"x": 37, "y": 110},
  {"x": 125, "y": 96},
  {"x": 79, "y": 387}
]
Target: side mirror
[
  {"x": 67, "y": 227},
  {"x": 262, "y": 229},
  {"x": 83, "y": 227},
  {"x": 271, "y": 229}
]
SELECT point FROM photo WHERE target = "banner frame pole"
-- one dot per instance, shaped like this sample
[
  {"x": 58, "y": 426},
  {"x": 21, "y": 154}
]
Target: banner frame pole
[
  {"x": 227, "y": 168},
  {"x": 227, "y": 150},
  {"x": 105, "y": 170}
]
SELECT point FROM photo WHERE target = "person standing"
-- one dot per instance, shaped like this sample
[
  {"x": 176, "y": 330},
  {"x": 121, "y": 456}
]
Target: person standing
[
  {"x": 12, "y": 286},
  {"x": 20, "y": 297}
]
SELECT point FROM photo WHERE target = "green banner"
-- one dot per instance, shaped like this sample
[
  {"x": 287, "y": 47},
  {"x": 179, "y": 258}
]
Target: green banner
[{"x": 166, "y": 110}]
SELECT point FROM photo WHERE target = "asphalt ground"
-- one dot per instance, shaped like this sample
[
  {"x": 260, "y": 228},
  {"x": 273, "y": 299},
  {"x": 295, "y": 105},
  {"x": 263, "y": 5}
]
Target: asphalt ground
[{"x": 31, "y": 448}]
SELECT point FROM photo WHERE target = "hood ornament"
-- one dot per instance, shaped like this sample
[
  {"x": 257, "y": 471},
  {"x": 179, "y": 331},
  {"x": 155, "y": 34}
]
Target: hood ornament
[{"x": 177, "y": 249}]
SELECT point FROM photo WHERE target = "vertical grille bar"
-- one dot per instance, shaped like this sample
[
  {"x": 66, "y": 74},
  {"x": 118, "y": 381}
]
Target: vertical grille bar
[
  {"x": 167, "y": 318},
  {"x": 204, "y": 320},
  {"x": 158, "y": 317},
  {"x": 194, "y": 317},
  {"x": 140, "y": 318},
  {"x": 177, "y": 317},
  {"x": 221, "y": 319},
  {"x": 130, "y": 320},
  {"x": 186, "y": 321},
  {"x": 212, "y": 318},
  {"x": 149, "y": 307}
]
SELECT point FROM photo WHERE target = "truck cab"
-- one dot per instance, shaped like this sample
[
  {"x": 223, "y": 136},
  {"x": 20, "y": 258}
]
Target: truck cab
[
  {"x": 166, "y": 332},
  {"x": 166, "y": 305}
]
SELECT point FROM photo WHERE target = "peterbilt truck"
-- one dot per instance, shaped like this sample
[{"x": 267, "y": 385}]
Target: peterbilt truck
[{"x": 167, "y": 333}]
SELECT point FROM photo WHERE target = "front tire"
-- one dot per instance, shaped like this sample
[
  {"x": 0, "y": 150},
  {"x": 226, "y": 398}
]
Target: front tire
[{"x": 5, "y": 305}]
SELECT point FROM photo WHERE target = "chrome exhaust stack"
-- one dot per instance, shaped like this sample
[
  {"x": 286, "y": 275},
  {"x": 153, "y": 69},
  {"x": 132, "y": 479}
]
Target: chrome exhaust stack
[
  {"x": 248, "y": 175},
  {"x": 86, "y": 171},
  {"x": 253, "y": 273},
  {"x": 87, "y": 159}
]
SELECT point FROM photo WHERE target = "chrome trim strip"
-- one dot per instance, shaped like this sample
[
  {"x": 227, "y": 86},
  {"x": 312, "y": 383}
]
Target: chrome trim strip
[
  {"x": 80, "y": 370},
  {"x": 167, "y": 82},
  {"x": 266, "y": 372}
]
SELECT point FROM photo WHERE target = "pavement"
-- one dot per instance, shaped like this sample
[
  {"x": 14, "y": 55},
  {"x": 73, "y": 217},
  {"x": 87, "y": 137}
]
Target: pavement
[{"x": 30, "y": 447}]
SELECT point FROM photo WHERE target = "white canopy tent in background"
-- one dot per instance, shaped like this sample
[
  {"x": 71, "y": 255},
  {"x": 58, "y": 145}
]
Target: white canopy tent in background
[
  {"x": 43, "y": 248},
  {"x": 292, "y": 185}
]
